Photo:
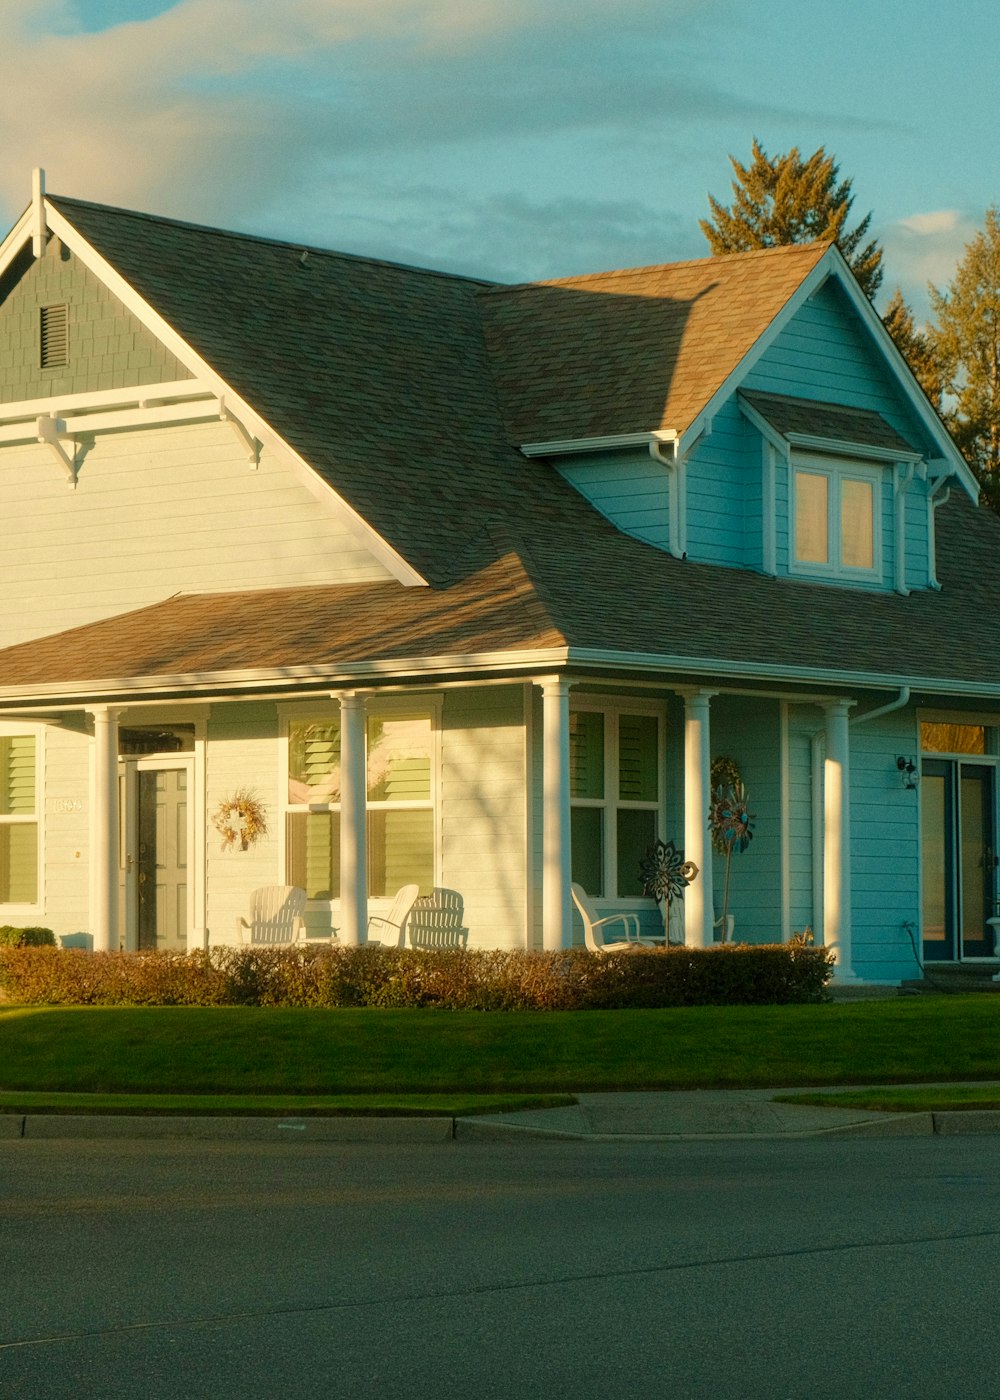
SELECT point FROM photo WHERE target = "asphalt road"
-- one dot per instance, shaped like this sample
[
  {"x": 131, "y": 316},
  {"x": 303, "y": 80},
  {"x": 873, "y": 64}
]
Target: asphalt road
[{"x": 734, "y": 1269}]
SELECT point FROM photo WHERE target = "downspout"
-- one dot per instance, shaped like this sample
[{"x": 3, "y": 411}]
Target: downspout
[
  {"x": 901, "y": 485},
  {"x": 901, "y": 700},
  {"x": 937, "y": 496},
  {"x": 677, "y": 478}
]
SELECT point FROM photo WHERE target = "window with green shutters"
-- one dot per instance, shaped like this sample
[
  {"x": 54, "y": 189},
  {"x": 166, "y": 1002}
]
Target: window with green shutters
[
  {"x": 616, "y": 795},
  {"x": 18, "y": 819},
  {"x": 400, "y": 826}
]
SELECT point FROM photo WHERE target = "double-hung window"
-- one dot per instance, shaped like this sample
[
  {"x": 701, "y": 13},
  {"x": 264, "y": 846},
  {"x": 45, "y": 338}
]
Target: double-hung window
[
  {"x": 836, "y": 518},
  {"x": 616, "y": 796},
  {"x": 400, "y": 803},
  {"x": 19, "y": 819}
]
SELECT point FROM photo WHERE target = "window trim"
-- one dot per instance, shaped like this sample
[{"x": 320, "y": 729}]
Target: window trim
[
  {"x": 37, "y": 732},
  {"x": 390, "y": 707},
  {"x": 612, "y": 709},
  {"x": 836, "y": 470}
]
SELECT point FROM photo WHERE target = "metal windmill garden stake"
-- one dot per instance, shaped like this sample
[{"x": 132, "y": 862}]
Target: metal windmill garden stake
[
  {"x": 730, "y": 822},
  {"x": 665, "y": 873}
]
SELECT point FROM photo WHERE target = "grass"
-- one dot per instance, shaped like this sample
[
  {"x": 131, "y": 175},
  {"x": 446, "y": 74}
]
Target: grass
[
  {"x": 281, "y": 1105},
  {"x": 394, "y": 1054},
  {"x": 923, "y": 1098}
]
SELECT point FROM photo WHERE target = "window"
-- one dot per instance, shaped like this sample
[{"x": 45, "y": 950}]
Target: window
[
  {"x": 615, "y": 795},
  {"x": 18, "y": 819},
  {"x": 953, "y": 738},
  {"x": 836, "y": 518},
  {"x": 54, "y": 336},
  {"x": 400, "y": 832}
]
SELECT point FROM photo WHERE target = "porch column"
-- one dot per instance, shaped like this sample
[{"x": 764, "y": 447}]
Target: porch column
[
  {"x": 104, "y": 831},
  {"x": 837, "y": 838},
  {"x": 353, "y": 816},
  {"x": 699, "y": 907},
  {"x": 557, "y": 909}
]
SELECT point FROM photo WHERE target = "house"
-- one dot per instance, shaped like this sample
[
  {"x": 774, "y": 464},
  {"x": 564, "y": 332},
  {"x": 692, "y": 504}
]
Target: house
[{"x": 392, "y": 575}]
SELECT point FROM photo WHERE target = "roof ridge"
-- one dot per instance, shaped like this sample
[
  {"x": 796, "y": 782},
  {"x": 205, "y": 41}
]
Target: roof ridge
[
  {"x": 293, "y": 245},
  {"x": 816, "y": 246}
]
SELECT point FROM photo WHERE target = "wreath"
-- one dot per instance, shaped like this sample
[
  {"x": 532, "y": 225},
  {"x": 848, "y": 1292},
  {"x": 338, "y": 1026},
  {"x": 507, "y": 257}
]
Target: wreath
[{"x": 241, "y": 820}]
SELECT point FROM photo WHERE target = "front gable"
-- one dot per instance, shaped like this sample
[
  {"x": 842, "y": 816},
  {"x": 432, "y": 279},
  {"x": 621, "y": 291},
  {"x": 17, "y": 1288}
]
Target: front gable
[{"x": 105, "y": 346}]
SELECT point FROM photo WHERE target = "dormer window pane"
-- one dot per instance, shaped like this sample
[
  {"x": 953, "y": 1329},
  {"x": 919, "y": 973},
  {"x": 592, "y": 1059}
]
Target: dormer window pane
[
  {"x": 857, "y": 541},
  {"x": 811, "y": 518}
]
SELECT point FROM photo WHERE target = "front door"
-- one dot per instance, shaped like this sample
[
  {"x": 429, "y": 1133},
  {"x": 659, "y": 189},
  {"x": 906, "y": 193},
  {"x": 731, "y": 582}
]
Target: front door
[
  {"x": 156, "y": 888},
  {"x": 958, "y": 802}
]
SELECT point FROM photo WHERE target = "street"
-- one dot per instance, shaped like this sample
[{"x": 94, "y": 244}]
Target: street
[{"x": 813, "y": 1268}]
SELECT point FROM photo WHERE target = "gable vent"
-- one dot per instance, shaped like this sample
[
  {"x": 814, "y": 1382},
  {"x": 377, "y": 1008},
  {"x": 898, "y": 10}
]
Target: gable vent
[{"x": 55, "y": 336}]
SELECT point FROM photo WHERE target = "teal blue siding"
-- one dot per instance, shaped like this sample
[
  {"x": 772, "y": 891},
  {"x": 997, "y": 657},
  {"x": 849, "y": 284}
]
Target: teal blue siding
[
  {"x": 629, "y": 487},
  {"x": 717, "y": 478},
  {"x": 749, "y": 731}
]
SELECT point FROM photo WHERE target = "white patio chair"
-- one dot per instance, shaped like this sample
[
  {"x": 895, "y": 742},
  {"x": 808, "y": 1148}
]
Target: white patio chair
[
  {"x": 276, "y": 917},
  {"x": 594, "y": 926},
  {"x": 393, "y": 925}
]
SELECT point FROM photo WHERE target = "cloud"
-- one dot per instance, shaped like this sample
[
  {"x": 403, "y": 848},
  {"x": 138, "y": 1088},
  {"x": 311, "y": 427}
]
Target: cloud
[
  {"x": 925, "y": 247},
  {"x": 935, "y": 222}
]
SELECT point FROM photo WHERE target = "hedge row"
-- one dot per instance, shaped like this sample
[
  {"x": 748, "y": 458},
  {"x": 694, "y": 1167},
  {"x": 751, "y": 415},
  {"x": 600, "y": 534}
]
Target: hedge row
[
  {"x": 374, "y": 976},
  {"x": 12, "y": 937}
]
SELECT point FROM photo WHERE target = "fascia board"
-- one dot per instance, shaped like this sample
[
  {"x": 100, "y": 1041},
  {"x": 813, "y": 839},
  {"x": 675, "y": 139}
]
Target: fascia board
[
  {"x": 229, "y": 684},
  {"x": 562, "y": 447},
  {"x": 19, "y": 235},
  {"x": 841, "y": 447},
  {"x": 771, "y": 671},
  {"x": 767, "y": 432},
  {"x": 249, "y": 681},
  {"x": 397, "y": 566}
]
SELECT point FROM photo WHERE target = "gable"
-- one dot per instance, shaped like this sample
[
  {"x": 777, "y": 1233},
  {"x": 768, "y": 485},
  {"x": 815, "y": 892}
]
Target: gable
[
  {"x": 825, "y": 353},
  {"x": 108, "y": 347}
]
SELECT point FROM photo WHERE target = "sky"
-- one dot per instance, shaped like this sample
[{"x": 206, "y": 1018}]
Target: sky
[{"x": 508, "y": 139}]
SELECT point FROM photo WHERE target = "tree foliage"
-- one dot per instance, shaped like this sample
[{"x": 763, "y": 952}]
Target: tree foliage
[
  {"x": 966, "y": 341},
  {"x": 790, "y": 199},
  {"x": 916, "y": 347}
]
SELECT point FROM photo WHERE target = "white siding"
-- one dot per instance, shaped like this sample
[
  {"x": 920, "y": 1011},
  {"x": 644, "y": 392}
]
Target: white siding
[
  {"x": 156, "y": 513},
  {"x": 483, "y": 811},
  {"x": 242, "y": 751}
]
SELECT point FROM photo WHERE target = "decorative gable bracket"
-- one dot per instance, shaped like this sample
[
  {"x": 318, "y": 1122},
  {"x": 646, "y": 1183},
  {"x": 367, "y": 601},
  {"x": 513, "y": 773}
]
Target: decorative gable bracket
[
  {"x": 52, "y": 431},
  {"x": 247, "y": 441}
]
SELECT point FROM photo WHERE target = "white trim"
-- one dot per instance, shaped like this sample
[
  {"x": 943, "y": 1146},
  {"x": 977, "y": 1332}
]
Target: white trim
[
  {"x": 769, "y": 507},
  {"x": 38, "y": 225},
  {"x": 527, "y": 770},
  {"x": 836, "y": 473},
  {"x": 36, "y": 730},
  {"x": 250, "y": 419},
  {"x": 132, "y": 396},
  {"x": 612, "y": 707},
  {"x": 563, "y": 447}
]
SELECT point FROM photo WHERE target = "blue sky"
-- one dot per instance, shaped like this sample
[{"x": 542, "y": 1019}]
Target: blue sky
[{"x": 513, "y": 139}]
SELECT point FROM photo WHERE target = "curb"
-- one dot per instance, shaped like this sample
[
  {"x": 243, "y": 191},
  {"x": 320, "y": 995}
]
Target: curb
[{"x": 342, "y": 1129}]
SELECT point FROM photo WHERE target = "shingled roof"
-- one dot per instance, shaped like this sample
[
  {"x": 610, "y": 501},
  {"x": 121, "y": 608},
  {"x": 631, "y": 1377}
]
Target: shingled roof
[{"x": 380, "y": 377}]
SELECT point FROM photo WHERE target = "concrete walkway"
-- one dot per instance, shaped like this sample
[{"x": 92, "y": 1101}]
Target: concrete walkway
[{"x": 653, "y": 1117}]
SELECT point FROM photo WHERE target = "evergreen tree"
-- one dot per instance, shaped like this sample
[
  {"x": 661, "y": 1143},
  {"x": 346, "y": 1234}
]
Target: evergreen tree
[
  {"x": 966, "y": 341},
  {"x": 915, "y": 346},
  {"x": 785, "y": 199}
]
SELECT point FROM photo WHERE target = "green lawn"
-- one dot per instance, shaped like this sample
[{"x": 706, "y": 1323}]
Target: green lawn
[
  {"x": 922, "y": 1098},
  {"x": 253, "y": 1051}
]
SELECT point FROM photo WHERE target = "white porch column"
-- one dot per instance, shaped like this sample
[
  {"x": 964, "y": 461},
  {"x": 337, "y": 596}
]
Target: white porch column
[
  {"x": 699, "y": 908},
  {"x": 837, "y": 838},
  {"x": 557, "y": 911},
  {"x": 353, "y": 817},
  {"x": 104, "y": 831}
]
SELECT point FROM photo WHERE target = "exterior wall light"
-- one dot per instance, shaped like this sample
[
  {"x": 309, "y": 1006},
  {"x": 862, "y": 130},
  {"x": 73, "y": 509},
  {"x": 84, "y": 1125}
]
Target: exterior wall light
[{"x": 908, "y": 770}]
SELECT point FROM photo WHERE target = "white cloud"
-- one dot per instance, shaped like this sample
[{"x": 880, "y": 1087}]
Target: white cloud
[
  {"x": 924, "y": 248},
  {"x": 934, "y": 222}
]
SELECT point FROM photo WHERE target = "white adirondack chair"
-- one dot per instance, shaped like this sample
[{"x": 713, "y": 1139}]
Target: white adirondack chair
[
  {"x": 392, "y": 926},
  {"x": 594, "y": 926},
  {"x": 276, "y": 917}
]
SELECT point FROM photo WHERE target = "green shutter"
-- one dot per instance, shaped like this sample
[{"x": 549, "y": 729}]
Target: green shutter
[
  {"x": 638, "y": 759},
  {"x": 313, "y": 763},
  {"x": 17, "y": 775},
  {"x": 586, "y": 753},
  {"x": 399, "y": 760}
]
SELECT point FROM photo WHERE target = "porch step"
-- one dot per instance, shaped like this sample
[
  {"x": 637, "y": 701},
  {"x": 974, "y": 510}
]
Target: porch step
[{"x": 954, "y": 977}]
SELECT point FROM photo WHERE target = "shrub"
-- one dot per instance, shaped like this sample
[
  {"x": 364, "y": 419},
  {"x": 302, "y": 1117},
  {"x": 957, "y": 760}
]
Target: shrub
[
  {"x": 451, "y": 979},
  {"x": 11, "y": 937}
]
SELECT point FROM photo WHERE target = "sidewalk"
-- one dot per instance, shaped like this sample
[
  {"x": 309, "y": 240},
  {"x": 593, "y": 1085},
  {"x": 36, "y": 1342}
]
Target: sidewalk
[{"x": 681, "y": 1115}]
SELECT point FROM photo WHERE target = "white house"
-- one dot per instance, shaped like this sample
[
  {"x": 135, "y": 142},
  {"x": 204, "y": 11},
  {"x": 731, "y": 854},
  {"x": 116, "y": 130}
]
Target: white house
[{"x": 468, "y": 584}]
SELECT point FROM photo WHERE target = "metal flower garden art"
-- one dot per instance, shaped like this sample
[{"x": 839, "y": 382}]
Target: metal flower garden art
[
  {"x": 730, "y": 821},
  {"x": 665, "y": 874}
]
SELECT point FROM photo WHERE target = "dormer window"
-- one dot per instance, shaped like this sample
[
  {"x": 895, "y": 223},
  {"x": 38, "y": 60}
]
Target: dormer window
[
  {"x": 836, "y": 518},
  {"x": 54, "y": 336}
]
